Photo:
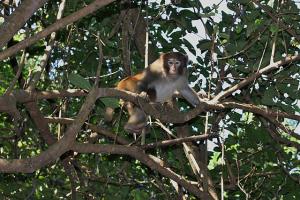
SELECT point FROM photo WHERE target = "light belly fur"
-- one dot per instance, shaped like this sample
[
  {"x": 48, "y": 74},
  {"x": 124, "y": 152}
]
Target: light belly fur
[{"x": 165, "y": 89}]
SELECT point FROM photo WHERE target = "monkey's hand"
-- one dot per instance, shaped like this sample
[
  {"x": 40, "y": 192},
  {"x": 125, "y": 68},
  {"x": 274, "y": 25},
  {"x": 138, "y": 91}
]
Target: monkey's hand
[{"x": 144, "y": 95}]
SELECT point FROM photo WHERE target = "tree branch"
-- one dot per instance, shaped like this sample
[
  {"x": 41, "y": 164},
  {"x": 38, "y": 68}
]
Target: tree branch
[
  {"x": 94, "y": 128},
  {"x": 157, "y": 110},
  {"x": 18, "y": 18},
  {"x": 29, "y": 165},
  {"x": 152, "y": 162},
  {"x": 251, "y": 78},
  {"x": 54, "y": 27},
  {"x": 178, "y": 141},
  {"x": 44, "y": 61},
  {"x": 277, "y": 21}
]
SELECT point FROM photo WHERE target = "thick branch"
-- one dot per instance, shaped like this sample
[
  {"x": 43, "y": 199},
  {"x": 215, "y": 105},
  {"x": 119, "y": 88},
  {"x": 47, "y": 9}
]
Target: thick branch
[
  {"x": 197, "y": 158},
  {"x": 18, "y": 18},
  {"x": 137, "y": 153},
  {"x": 8, "y": 104},
  {"x": 29, "y": 165},
  {"x": 39, "y": 121},
  {"x": 44, "y": 61},
  {"x": 44, "y": 130},
  {"x": 54, "y": 27},
  {"x": 156, "y": 110}
]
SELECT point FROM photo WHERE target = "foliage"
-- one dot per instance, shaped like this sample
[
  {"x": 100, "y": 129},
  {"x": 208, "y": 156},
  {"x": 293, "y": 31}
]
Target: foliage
[{"x": 243, "y": 41}]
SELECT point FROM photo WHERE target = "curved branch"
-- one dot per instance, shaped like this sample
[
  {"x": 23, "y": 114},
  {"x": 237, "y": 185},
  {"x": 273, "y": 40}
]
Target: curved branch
[
  {"x": 50, "y": 44},
  {"x": 256, "y": 75},
  {"x": 277, "y": 137},
  {"x": 94, "y": 128},
  {"x": 156, "y": 110},
  {"x": 268, "y": 114},
  {"x": 18, "y": 18},
  {"x": 264, "y": 111},
  {"x": 152, "y": 162},
  {"x": 54, "y": 27},
  {"x": 30, "y": 165},
  {"x": 275, "y": 19},
  {"x": 8, "y": 104}
]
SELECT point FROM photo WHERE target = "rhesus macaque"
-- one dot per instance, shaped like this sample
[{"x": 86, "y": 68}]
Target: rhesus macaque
[{"x": 160, "y": 80}]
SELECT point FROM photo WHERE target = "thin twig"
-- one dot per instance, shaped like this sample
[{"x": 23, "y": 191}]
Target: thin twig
[
  {"x": 21, "y": 65},
  {"x": 100, "y": 48}
]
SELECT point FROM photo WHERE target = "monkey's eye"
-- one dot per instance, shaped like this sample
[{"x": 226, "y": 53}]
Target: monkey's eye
[
  {"x": 177, "y": 63},
  {"x": 171, "y": 62},
  {"x": 174, "y": 62}
]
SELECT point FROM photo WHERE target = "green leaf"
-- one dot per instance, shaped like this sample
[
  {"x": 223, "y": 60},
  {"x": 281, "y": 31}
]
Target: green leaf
[
  {"x": 250, "y": 29},
  {"x": 268, "y": 96},
  {"x": 139, "y": 194},
  {"x": 176, "y": 35},
  {"x": 290, "y": 87},
  {"x": 274, "y": 28},
  {"x": 297, "y": 109},
  {"x": 214, "y": 161},
  {"x": 189, "y": 46},
  {"x": 110, "y": 102},
  {"x": 258, "y": 21},
  {"x": 209, "y": 28},
  {"x": 78, "y": 81},
  {"x": 206, "y": 15},
  {"x": 224, "y": 36},
  {"x": 188, "y": 14},
  {"x": 204, "y": 45}
]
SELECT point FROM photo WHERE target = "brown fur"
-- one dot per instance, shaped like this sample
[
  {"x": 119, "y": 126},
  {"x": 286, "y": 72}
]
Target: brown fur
[
  {"x": 160, "y": 86},
  {"x": 137, "y": 118},
  {"x": 130, "y": 83},
  {"x": 179, "y": 56}
]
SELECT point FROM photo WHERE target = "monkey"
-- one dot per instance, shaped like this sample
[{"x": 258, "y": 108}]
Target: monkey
[
  {"x": 160, "y": 81},
  {"x": 137, "y": 117}
]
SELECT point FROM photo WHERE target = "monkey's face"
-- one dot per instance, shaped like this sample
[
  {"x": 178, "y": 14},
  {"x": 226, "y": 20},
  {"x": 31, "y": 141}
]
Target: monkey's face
[{"x": 173, "y": 66}]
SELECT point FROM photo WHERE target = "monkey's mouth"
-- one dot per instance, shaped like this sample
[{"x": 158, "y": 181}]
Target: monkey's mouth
[{"x": 172, "y": 71}]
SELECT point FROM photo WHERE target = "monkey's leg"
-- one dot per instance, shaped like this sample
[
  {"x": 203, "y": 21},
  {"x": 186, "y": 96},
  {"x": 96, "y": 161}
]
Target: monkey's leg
[{"x": 137, "y": 120}]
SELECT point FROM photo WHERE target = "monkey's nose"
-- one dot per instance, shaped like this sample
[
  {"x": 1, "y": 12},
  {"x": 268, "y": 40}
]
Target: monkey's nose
[{"x": 173, "y": 68}]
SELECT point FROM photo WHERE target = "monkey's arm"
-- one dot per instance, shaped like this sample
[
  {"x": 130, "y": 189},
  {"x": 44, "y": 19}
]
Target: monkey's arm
[
  {"x": 190, "y": 95},
  {"x": 146, "y": 79},
  {"x": 145, "y": 84}
]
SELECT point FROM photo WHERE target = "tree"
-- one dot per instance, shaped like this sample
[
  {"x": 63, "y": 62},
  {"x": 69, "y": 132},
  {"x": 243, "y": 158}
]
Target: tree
[{"x": 61, "y": 123}]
